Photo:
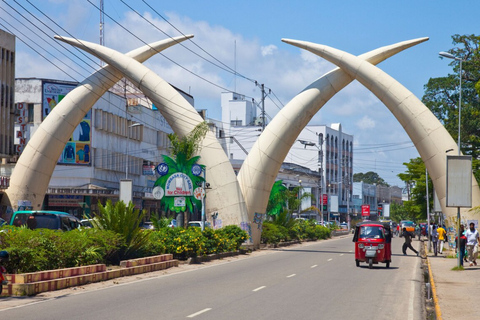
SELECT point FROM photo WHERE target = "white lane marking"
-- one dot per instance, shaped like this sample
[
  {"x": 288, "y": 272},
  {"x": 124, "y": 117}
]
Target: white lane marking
[
  {"x": 330, "y": 259},
  {"x": 412, "y": 291},
  {"x": 199, "y": 312},
  {"x": 292, "y": 275},
  {"x": 341, "y": 254},
  {"x": 259, "y": 288},
  {"x": 314, "y": 266},
  {"x": 350, "y": 251}
]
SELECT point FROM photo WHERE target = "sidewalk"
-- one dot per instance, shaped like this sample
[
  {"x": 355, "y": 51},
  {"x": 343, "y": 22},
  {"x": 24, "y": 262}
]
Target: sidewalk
[{"x": 457, "y": 292}]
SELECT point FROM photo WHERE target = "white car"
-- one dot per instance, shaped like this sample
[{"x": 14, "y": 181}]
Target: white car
[{"x": 198, "y": 224}]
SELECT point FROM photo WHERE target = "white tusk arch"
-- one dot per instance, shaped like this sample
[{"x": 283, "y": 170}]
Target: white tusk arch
[
  {"x": 427, "y": 133},
  {"x": 225, "y": 195},
  {"x": 37, "y": 162},
  {"x": 264, "y": 160}
]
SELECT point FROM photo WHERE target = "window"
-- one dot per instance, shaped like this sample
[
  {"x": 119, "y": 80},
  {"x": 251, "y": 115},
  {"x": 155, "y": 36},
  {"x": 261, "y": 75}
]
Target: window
[
  {"x": 30, "y": 112},
  {"x": 371, "y": 232},
  {"x": 236, "y": 123}
]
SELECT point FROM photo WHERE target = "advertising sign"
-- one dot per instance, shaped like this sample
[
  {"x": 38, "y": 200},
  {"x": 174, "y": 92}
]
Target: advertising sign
[
  {"x": 179, "y": 184},
  {"x": 459, "y": 181},
  {"x": 365, "y": 210},
  {"x": 77, "y": 150},
  {"x": 21, "y": 135}
]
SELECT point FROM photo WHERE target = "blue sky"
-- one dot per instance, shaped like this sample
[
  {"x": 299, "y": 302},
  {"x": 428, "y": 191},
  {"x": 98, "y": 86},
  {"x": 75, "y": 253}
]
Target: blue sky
[{"x": 257, "y": 27}]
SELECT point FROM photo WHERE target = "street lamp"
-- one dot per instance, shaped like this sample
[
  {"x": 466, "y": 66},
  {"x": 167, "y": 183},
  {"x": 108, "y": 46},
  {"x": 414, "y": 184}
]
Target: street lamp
[
  {"x": 320, "y": 189},
  {"x": 126, "y": 147},
  {"x": 450, "y": 56}
]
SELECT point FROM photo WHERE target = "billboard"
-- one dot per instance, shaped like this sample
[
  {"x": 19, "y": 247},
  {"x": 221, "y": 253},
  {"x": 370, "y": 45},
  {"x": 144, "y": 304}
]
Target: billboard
[
  {"x": 459, "y": 181},
  {"x": 365, "y": 210},
  {"x": 77, "y": 150}
]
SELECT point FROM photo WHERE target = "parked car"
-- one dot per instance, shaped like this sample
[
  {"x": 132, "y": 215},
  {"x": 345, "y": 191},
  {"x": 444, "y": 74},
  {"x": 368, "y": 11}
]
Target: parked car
[
  {"x": 198, "y": 224},
  {"x": 86, "y": 223},
  {"x": 173, "y": 223},
  {"x": 343, "y": 225},
  {"x": 55, "y": 220},
  {"x": 408, "y": 225},
  {"x": 147, "y": 225}
]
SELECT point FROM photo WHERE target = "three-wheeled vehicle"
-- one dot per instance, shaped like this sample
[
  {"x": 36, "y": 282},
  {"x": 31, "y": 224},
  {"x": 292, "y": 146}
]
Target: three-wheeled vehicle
[{"x": 373, "y": 243}]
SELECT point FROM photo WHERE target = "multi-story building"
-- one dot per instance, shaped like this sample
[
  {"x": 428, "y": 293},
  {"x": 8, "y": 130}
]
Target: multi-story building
[
  {"x": 7, "y": 108},
  {"x": 114, "y": 141},
  {"x": 327, "y": 151},
  {"x": 365, "y": 194}
]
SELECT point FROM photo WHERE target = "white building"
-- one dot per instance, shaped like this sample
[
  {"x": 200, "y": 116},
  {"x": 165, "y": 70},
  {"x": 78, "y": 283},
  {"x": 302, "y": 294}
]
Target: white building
[
  {"x": 99, "y": 153},
  {"x": 326, "y": 150}
]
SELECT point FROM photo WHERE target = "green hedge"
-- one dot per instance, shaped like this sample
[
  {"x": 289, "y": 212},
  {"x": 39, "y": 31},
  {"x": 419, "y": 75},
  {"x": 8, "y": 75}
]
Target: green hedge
[
  {"x": 43, "y": 249},
  {"x": 301, "y": 230}
]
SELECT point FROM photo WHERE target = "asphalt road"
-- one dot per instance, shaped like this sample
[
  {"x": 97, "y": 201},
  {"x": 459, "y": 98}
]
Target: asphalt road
[{"x": 314, "y": 281}]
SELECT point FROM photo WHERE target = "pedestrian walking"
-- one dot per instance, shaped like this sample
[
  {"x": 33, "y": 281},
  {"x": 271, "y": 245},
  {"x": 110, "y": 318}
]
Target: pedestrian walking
[
  {"x": 463, "y": 243},
  {"x": 434, "y": 238},
  {"x": 408, "y": 242},
  {"x": 441, "y": 238},
  {"x": 472, "y": 244}
]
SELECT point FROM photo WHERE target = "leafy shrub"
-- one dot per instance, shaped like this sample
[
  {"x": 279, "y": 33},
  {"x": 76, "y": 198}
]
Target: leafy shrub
[
  {"x": 272, "y": 233},
  {"x": 125, "y": 221},
  {"x": 235, "y": 234},
  {"x": 43, "y": 249}
]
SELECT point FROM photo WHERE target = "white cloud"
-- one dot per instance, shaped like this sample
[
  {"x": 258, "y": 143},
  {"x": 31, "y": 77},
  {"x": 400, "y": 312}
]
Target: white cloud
[
  {"x": 268, "y": 50},
  {"x": 366, "y": 123}
]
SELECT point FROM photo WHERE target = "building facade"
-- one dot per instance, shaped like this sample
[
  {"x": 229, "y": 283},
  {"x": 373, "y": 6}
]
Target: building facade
[
  {"x": 114, "y": 141},
  {"x": 326, "y": 151},
  {"x": 7, "y": 107}
]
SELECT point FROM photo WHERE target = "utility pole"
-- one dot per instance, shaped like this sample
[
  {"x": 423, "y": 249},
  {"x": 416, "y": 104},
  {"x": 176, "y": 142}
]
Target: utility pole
[
  {"x": 102, "y": 25},
  {"x": 262, "y": 114}
]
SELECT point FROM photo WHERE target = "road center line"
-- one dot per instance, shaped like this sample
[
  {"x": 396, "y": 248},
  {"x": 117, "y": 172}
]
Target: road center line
[
  {"x": 330, "y": 259},
  {"x": 292, "y": 275},
  {"x": 314, "y": 266},
  {"x": 259, "y": 288},
  {"x": 199, "y": 312}
]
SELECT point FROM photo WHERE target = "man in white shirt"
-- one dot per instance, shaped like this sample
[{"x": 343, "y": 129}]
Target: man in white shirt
[{"x": 472, "y": 242}]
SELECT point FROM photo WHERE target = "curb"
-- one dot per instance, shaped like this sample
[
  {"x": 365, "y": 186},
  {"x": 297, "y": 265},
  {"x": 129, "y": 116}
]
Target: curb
[{"x": 438, "y": 312}]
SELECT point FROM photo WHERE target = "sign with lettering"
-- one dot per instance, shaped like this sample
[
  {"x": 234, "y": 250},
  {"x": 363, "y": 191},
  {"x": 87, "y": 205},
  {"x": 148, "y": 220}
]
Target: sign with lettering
[{"x": 179, "y": 184}]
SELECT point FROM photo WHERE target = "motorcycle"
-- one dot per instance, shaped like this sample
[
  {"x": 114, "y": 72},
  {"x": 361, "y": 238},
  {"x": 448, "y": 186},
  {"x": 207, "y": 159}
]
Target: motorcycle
[{"x": 3, "y": 271}]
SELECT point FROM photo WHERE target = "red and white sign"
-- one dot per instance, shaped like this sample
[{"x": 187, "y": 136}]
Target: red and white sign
[
  {"x": 178, "y": 185},
  {"x": 365, "y": 210},
  {"x": 199, "y": 193},
  {"x": 325, "y": 199},
  {"x": 21, "y": 120}
]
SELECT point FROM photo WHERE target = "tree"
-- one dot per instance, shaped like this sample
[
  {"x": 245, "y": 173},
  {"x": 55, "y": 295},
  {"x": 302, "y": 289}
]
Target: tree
[
  {"x": 415, "y": 208},
  {"x": 442, "y": 97},
  {"x": 370, "y": 178}
]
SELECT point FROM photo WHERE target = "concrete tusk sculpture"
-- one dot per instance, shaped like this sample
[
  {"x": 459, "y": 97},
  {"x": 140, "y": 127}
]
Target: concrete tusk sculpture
[
  {"x": 32, "y": 173},
  {"x": 427, "y": 133},
  {"x": 225, "y": 195},
  {"x": 264, "y": 160}
]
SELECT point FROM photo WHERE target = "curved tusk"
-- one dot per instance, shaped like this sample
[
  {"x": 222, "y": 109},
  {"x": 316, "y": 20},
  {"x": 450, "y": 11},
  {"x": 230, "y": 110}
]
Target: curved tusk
[
  {"x": 225, "y": 195},
  {"x": 37, "y": 162},
  {"x": 427, "y": 133},
  {"x": 264, "y": 160}
]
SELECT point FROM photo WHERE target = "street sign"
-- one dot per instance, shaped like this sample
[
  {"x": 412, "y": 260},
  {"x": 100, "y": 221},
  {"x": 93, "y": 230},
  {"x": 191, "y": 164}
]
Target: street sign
[
  {"x": 199, "y": 193},
  {"x": 365, "y": 210}
]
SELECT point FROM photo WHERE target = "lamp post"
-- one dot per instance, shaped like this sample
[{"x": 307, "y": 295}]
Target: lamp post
[
  {"x": 320, "y": 163},
  {"x": 451, "y": 56},
  {"x": 126, "y": 147}
]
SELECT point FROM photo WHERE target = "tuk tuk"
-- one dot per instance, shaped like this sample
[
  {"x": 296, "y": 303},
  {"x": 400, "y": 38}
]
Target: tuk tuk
[{"x": 373, "y": 243}]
